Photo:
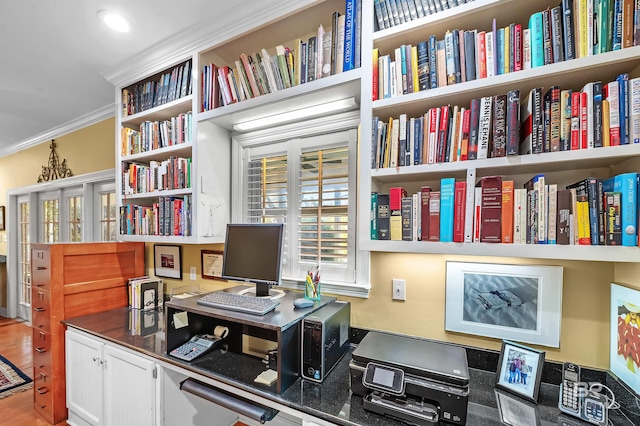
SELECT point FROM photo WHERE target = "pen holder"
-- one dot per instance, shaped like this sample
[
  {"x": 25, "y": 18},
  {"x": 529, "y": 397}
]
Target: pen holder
[{"x": 312, "y": 291}]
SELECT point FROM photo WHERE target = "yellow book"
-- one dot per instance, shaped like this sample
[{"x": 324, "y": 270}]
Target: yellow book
[
  {"x": 388, "y": 143},
  {"x": 376, "y": 89},
  {"x": 584, "y": 232},
  {"x": 582, "y": 28},
  {"x": 606, "y": 124},
  {"x": 507, "y": 47},
  {"x": 395, "y": 225},
  {"x": 414, "y": 68}
]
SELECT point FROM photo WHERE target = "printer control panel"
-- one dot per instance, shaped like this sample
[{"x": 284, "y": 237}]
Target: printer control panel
[{"x": 383, "y": 378}]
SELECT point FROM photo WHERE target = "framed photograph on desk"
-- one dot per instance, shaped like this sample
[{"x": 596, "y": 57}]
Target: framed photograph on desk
[
  {"x": 211, "y": 264},
  {"x": 520, "y": 370},
  {"x": 167, "y": 261}
]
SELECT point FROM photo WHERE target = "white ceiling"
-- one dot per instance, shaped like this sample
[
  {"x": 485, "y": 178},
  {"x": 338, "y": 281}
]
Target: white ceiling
[{"x": 53, "y": 52}]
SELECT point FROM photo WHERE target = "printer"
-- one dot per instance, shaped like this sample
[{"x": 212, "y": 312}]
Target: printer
[{"x": 414, "y": 380}]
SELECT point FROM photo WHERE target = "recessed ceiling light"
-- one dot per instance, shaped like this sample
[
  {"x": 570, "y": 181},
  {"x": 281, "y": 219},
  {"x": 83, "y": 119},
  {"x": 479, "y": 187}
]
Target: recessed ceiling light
[{"x": 114, "y": 21}]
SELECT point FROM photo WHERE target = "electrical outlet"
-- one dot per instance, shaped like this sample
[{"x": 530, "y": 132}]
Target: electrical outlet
[
  {"x": 399, "y": 289},
  {"x": 192, "y": 273}
]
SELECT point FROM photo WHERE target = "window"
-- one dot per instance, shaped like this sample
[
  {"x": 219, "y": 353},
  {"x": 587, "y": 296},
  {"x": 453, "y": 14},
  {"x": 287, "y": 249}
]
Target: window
[
  {"x": 24, "y": 245},
  {"x": 50, "y": 220},
  {"x": 108, "y": 216},
  {"x": 74, "y": 214},
  {"x": 307, "y": 183}
]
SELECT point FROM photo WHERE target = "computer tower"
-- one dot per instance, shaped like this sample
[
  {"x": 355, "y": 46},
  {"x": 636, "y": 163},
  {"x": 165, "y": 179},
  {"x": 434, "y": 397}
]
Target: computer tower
[{"x": 325, "y": 339}]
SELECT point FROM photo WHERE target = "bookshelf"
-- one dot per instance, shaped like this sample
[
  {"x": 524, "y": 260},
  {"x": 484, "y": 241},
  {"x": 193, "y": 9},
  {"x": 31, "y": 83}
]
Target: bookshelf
[{"x": 563, "y": 167}]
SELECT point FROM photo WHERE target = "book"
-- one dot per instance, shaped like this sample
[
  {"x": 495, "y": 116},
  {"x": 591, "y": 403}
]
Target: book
[
  {"x": 536, "y": 37},
  {"x": 575, "y": 120},
  {"x": 434, "y": 216},
  {"x": 552, "y": 213},
  {"x": 459, "y": 211},
  {"x": 563, "y": 217},
  {"x": 447, "y": 192},
  {"x": 519, "y": 215},
  {"x": 348, "y": 62},
  {"x": 484, "y": 127},
  {"x": 490, "y": 227},
  {"x": 499, "y": 126},
  {"x": 565, "y": 120},
  {"x": 614, "y": 113},
  {"x": 477, "y": 213},
  {"x": 425, "y": 193},
  {"x": 634, "y": 110},
  {"x": 384, "y": 214},
  {"x": 507, "y": 213},
  {"x": 407, "y": 218},
  {"x": 613, "y": 218},
  {"x": 395, "y": 197},
  {"x": 597, "y": 115},
  {"x": 555, "y": 117},
  {"x": 395, "y": 225},
  {"x": 582, "y": 213},
  {"x": 474, "y": 120},
  {"x": 374, "y": 216},
  {"x": 423, "y": 66},
  {"x": 568, "y": 29},
  {"x": 627, "y": 185}
]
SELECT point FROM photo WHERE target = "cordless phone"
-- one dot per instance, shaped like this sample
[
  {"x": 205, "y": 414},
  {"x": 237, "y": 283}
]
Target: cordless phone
[{"x": 569, "y": 400}]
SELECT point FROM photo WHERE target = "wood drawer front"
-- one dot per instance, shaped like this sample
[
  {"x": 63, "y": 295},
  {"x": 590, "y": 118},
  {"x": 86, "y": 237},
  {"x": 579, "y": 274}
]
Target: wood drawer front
[
  {"x": 43, "y": 395},
  {"x": 40, "y": 268},
  {"x": 41, "y": 349},
  {"x": 41, "y": 309}
]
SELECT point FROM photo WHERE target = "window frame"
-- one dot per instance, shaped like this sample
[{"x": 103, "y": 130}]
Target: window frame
[{"x": 303, "y": 133}]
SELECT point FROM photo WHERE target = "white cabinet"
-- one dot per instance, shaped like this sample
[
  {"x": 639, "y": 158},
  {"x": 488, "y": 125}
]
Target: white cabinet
[{"x": 107, "y": 385}]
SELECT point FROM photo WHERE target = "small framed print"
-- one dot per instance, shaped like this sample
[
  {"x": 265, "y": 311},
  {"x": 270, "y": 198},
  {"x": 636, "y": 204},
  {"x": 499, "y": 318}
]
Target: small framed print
[
  {"x": 520, "y": 370},
  {"x": 167, "y": 261},
  {"x": 212, "y": 264}
]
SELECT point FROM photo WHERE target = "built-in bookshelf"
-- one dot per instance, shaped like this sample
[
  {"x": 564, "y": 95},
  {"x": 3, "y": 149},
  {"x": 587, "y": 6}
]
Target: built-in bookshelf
[{"x": 562, "y": 167}]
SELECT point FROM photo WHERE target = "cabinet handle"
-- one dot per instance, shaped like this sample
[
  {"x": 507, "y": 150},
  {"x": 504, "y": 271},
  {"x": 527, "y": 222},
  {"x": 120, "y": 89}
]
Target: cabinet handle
[
  {"x": 39, "y": 309},
  {"x": 96, "y": 359},
  {"x": 43, "y": 336},
  {"x": 41, "y": 350},
  {"x": 41, "y": 295},
  {"x": 103, "y": 362},
  {"x": 42, "y": 390},
  {"x": 40, "y": 268},
  {"x": 43, "y": 376}
]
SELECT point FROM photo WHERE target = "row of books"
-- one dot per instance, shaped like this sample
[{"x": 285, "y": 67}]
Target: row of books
[
  {"x": 330, "y": 51},
  {"x": 167, "y": 216},
  {"x": 589, "y": 212},
  {"x": 490, "y": 127},
  {"x": 157, "y": 134},
  {"x": 600, "y": 115},
  {"x": 165, "y": 88},
  {"x": 172, "y": 173},
  {"x": 390, "y": 13},
  {"x": 466, "y": 55},
  {"x": 145, "y": 293}
]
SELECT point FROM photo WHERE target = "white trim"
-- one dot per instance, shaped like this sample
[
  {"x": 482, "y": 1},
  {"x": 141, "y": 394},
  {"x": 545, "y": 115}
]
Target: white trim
[
  {"x": 65, "y": 183},
  {"x": 199, "y": 38},
  {"x": 81, "y": 122}
]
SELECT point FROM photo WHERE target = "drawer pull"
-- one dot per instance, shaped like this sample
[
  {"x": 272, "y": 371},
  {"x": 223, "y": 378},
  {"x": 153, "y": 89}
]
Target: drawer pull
[
  {"x": 41, "y": 295},
  {"x": 43, "y": 376},
  {"x": 43, "y": 336},
  {"x": 41, "y": 350},
  {"x": 40, "y": 268},
  {"x": 42, "y": 390},
  {"x": 39, "y": 309}
]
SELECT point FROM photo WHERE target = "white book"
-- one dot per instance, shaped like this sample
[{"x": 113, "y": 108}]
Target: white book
[
  {"x": 526, "y": 49},
  {"x": 434, "y": 130},
  {"x": 634, "y": 109},
  {"x": 542, "y": 191},
  {"x": 460, "y": 121},
  {"x": 402, "y": 139},
  {"x": 614, "y": 112},
  {"x": 340, "y": 45},
  {"x": 392, "y": 79},
  {"x": 588, "y": 89},
  {"x": 415, "y": 215},
  {"x": 320, "y": 52},
  {"x": 268, "y": 70},
  {"x": 477, "y": 213},
  {"x": 519, "y": 211},
  {"x": 411, "y": 141},
  {"x": 552, "y": 213},
  {"x": 383, "y": 73},
  {"x": 398, "y": 73},
  {"x": 469, "y": 206},
  {"x": 589, "y": 28},
  {"x": 484, "y": 127},
  {"x": 491, "y": 71}
]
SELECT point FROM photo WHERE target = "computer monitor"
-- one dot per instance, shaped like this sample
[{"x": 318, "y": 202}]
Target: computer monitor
[{"x": 253, "y": 254}]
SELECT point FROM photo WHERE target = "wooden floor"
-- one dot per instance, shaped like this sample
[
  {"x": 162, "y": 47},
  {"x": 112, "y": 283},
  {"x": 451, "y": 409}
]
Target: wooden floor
[{"x": 15, "y": 345}]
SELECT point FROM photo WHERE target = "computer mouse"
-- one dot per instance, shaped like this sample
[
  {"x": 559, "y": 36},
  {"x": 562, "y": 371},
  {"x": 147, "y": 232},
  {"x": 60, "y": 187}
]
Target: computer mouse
[{"x": 301, "y": 302}]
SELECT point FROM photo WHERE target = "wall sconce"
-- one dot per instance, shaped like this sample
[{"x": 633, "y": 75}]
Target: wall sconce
[{"x": 313, "y": 111}]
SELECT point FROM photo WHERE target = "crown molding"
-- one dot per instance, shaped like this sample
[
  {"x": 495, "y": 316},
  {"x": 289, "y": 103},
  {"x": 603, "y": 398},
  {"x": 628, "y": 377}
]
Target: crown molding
[
  {"x": 96, "y": 116},
  {"x": 179, "y": 47}
]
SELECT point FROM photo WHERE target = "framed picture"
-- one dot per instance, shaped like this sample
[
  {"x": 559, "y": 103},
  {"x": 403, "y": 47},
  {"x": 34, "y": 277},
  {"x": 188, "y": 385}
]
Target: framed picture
[
  {"x": 167, "y": 261},
  {"x": 514, "y": 411},
  {"x": 514, "y": 302},
  {"x": 2, "y": 218},
  {"x": 211, "y": 264},
  {"x": 624, "y": 356},
  {"x": 520, "y": 370}
]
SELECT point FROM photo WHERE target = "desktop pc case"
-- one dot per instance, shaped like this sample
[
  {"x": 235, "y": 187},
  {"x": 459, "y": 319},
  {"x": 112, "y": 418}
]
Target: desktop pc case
[{"x": 325, "y": 339}]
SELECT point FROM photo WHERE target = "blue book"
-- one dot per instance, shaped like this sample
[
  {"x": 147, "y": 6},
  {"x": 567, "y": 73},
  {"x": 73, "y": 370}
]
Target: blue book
[
  {"x": 357, "y": 34},
  {"x": 616, "y": 33},
  {"x": 447, "y": 188},
  {"x": 433, "y": 66},
  {"x": 470, "y": 54},
  {"x": 374, "y": 215},
  {"x": 623, "y": 99},
  {"x": 500, "y": 53},
  {"x": 536, "y": 43},
  {"x": 627, "y": 185},
  {"x": 417, "y": 140},
  {"x": 568, "y": 30},
  {"x": 349, "y": 36}
]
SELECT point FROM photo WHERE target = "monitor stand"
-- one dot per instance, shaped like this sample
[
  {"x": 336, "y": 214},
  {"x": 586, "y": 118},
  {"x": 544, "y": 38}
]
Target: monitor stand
[{"x": 263, "y": 290}]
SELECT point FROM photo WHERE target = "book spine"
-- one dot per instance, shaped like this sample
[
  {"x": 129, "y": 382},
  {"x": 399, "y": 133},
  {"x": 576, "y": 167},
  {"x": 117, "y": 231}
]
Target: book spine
[
  {"x": 513, "y": 122},
  {"x": 384, "y": 214},
  {"x": 554, "y": 124},
  {"x": 517, "y": 48},
  {"x": 613, "y": 218},
  {"x": 459, "y": 209},
  {"x": 557, "y": 35},
  {"x": 490, "y": 228},
  {"x": 407, "y": 216},
  {"x": 568, "y": 30},
  {"x": 423, "y": 66},
  {"x": 433, "y": 74},
  {"x": 474, "y": 120},
  {"x": 565, "y": 120},
  {"x": 484, "y": 127},
  {"x": 614, "y": 113},
  {"x": 447, "y": 189},
  {"x": 425, "y": 193},
  {"x": 536, "y": 36},
  {"x": 349, "y": 36},
  {"x": 563, "y": 217},
  {"x": 552, "y": 213},
  {"x": 434, "y": 216},
  {"x": 470, "y": 55},
  {"x": 597, "y": 115},
  {"x": 627, "y": 185},
  {"x": 499, "y": 126},
  {"x": 507, "y": 213}
]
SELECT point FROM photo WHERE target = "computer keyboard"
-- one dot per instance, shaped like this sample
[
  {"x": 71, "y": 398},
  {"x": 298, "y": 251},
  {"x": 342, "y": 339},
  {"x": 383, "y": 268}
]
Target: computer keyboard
[{"x": 238, "y": 302}]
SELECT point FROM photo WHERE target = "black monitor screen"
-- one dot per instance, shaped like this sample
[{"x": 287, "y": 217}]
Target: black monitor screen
[{"x": 253, "y": 253}]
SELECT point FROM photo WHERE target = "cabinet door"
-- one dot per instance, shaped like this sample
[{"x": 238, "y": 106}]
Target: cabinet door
[
  {"x": 84, "y": 377},
  {"x": 129, "y": 388}
]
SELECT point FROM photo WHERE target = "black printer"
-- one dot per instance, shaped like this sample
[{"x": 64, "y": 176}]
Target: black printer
[{"x": 411, "y": 379}]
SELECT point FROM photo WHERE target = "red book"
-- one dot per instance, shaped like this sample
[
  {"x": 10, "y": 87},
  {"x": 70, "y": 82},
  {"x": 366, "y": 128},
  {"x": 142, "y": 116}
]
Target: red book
[
  {"x": 459, "y": 207},
  {"x": 375, "y": 75},
  {"x": 517, "y": 48},
  {"x": 425, "y": 193},
  {"x": 395, "y": 197},
  {"x": 575, "y": 120},
  {"x": 443, "y": 135},
  {"x": 507, "y": 211},
  {"x": 491, "y": 214},
  {"x": 584, "y": 128},
  {"x": 434, "y": 115},
  {"x": 482, "y": 54},
  {"x": 434, "y": 216}
]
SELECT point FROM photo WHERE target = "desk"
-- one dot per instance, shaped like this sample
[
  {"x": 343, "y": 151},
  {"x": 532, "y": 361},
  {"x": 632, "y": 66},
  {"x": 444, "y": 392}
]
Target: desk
[{"x": 330, "y": 401}]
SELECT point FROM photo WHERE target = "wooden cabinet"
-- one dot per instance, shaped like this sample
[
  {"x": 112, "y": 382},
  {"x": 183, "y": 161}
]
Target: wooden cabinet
[
  {"x": 70, "y": 280},
  {"x": 107, "y": 385}
]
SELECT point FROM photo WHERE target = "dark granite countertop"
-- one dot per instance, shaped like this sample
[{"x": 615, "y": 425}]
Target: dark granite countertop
[{"x": 332, "y": 399}]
